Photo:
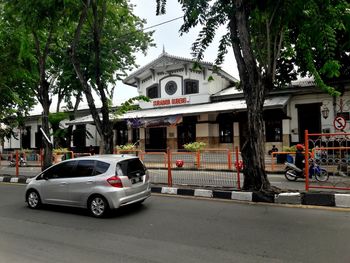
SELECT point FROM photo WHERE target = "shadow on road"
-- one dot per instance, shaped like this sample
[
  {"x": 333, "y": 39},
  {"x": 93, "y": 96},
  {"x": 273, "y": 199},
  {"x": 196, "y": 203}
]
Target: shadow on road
[{"x": 124, "y": 211}]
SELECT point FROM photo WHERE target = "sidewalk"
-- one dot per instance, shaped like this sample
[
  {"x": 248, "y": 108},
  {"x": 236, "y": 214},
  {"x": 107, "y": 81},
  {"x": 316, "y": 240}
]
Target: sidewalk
[{"x": 289, "y": 198}]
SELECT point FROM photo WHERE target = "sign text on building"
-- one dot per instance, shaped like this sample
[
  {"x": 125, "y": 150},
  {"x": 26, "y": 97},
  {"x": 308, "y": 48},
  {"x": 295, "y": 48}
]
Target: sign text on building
[{"x": 165, "y": 102}]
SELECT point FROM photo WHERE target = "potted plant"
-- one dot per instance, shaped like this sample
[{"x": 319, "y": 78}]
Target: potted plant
[
  {"x": 282, "y": 158},
  {"x": 195, "y": 147},
  {"x": 58, "y": 154},
  {"x": 129, "y": 147}
]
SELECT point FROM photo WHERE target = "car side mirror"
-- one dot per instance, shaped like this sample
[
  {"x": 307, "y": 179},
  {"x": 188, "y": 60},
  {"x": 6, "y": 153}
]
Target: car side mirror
[{"x": 45, "y": 176}]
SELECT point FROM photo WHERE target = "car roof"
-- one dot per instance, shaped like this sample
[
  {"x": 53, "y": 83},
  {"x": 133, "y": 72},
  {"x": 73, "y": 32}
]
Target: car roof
[{"x": 107, "y": 157}]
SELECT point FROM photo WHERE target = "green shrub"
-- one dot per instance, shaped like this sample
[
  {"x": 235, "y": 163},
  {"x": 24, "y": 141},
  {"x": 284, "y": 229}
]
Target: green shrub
[
  {"x": 290, "y": 149},
  {"x": 195, "y": 146},
  {"x": 126, "y": 147},
  {"x": 27, "y": 151},
  {"x": 60, "y": 150}
]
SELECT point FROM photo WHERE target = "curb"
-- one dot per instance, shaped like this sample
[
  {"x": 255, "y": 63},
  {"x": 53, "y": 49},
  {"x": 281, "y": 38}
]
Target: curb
[{"x": 296, "y": 198}]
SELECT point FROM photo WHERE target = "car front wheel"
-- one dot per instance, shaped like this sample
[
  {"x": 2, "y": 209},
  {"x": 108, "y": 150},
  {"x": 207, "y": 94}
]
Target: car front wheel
[{"x": 33, "y": 199}]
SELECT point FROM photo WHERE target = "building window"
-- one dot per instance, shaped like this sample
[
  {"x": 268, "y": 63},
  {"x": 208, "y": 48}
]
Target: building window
[
  {"x": 121, "y": 133},
  {"x": 273, "y": 130},
  {"x": 135, "y": 135},
  {"x": 226, "y": 132},
  {"x": 191, "y": 86},
  {"x": 79, "y": 136},
  {"x": 38, "y": 138},
  {"x": 152, "y": 92}
]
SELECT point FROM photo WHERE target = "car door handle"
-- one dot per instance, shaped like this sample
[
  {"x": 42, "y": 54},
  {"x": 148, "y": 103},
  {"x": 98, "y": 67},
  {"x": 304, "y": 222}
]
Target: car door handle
[
  {"x": 89, "y": 181},
  {"x": 63, "y": 183}
]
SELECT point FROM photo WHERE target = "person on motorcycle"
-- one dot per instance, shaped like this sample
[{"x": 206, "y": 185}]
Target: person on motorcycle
[{"x": 299, "y": 157}]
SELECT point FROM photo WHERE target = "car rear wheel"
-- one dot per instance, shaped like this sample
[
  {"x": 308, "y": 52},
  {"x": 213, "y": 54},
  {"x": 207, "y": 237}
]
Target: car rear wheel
[
  {"x": 98, "y": 206},
  {"x": 33, "y": 199}
]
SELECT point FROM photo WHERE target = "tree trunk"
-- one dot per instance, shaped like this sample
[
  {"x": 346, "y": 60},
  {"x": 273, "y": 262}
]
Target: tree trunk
[
  {"x": 43, "y": 93},
  {"x": 104, "y": 127},
  {"x": 107, "y": 146},
  {"x": 47, "y": 162},
  {"x": 253, "y": 153},
  {"x": 101, "y": 87},
  {"x": 72, "y": 117},
  {"x": 253, "y": 150}
]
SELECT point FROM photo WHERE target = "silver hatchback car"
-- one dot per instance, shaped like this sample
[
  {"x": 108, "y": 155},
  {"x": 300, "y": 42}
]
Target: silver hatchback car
[{"x": 98, "y": 183}]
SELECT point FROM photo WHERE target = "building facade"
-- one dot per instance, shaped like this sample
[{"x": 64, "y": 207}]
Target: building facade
[{"x": 195, "y": 102}]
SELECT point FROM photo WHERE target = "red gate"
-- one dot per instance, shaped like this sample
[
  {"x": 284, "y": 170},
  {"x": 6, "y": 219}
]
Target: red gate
[{"x": 329, "y": 151}]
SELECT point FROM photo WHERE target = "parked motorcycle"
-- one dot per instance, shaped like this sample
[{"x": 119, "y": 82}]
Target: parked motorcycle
[
  {"x": 292, "y": 173},
  {"x": 22, "y": 162}
]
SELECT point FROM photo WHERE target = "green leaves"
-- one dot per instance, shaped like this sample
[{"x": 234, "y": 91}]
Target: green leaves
[{"x": 331, "y": 69}]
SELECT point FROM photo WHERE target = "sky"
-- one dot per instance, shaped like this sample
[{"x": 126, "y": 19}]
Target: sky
[{"x": 165, "y": 36}]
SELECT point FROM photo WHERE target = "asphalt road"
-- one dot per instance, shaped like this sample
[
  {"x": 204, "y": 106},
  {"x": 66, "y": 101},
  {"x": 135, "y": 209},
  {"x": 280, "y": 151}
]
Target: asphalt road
[{"x": 171, "y": 229}]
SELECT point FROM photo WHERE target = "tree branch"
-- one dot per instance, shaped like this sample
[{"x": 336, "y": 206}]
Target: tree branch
[{"x": 77, "y": 68}]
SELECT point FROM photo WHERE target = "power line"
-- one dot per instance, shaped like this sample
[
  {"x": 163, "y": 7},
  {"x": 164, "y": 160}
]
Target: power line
[{"x": 165, "y": 22}]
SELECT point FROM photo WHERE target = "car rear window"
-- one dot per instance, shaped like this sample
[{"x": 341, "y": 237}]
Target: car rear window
[{"x": 132, "y": 168}]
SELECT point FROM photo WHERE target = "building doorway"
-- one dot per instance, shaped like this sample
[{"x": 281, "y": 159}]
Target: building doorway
[
  {"x": 26, "y": 135},
  {"x": 243, "y": 132},
  {"x": 186, "y": 132},
  {"x": 309, "y": 118},
  {"x": 155, "y": 139}
]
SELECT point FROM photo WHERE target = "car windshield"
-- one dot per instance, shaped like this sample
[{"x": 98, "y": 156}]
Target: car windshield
[{"x": 132, "y": 167}]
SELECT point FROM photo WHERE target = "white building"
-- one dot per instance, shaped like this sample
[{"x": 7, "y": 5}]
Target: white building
[{"x": 202, "y": 104}]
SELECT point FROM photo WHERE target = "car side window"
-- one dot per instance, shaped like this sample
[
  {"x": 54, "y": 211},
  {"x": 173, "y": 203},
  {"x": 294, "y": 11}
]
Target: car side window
[
  {"x": 101, "y": 167},
  {"x": 85, "y": 168},
  {"x": 62, "y": 170}
]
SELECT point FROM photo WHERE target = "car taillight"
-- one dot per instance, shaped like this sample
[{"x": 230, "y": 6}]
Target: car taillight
[{"x": 115, "y": 181}]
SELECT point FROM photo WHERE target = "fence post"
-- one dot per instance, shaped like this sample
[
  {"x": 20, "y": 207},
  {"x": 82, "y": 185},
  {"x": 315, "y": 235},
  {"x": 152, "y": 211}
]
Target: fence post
[
  {"x": 272, "y": 161},
  {"x": 237, "y": 168},
  {"x": 142, "y": 156},
  {"x": 229, "y": 159},
  {"x": 170, "y": 179},
  {"x": 17, "y": 168},
  {"x": 306, "y": 160},
  {"x": 198, "y": 157}
]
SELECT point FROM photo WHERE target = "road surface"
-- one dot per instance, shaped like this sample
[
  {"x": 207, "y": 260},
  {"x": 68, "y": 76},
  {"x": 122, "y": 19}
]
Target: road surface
[{"x": 171, "y": 229}]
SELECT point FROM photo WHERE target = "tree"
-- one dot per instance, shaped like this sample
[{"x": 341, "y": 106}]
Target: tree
[
  {"x": 41, "y": 26},
  {"x": 267, "y": 37},
  {"x": 15, "y": 81},
  {"x": 108, "y": 34}
]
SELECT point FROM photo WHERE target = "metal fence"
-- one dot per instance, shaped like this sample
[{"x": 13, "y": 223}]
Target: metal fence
[
  {"x": 209, "y": 167},
  {"x": 332, "y": 153}
]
